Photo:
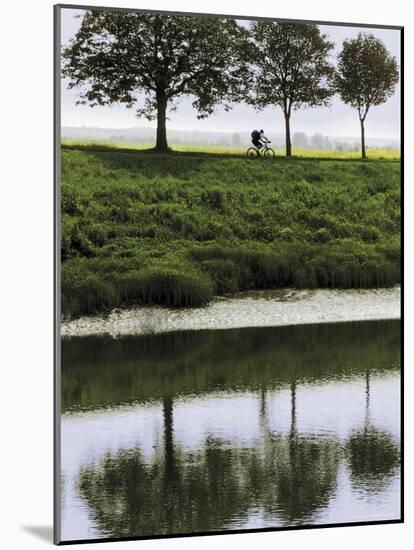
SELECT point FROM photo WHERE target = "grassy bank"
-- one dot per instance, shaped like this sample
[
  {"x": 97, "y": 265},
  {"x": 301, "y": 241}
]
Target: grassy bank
[
  {"x": 178, "y": 228},
  {"x": 373, "y": 154}
]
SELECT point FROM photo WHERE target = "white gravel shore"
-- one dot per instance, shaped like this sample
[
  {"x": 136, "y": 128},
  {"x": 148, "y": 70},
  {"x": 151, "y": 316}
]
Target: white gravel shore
[{"x": 246, "y": 309}]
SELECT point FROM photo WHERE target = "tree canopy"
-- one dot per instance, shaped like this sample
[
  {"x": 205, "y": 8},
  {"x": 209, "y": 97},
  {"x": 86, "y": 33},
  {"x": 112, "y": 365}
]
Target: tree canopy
[
  {"x": 291, "y": 68},
  {"x": 150, "y": 61},
  {"x": 115, "y": 57},
  {"x": 366, "y": 76}
]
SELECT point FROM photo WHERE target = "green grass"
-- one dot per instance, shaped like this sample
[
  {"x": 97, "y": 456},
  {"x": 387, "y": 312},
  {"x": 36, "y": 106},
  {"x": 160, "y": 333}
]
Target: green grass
[
  {"x": 373, "y": 154},
  {"x": 178, "y": 228}
]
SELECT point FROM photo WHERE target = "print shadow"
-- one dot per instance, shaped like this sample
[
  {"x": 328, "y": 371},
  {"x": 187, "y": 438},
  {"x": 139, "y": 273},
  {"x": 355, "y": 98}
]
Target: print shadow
[{"x": 42, "y": 532}]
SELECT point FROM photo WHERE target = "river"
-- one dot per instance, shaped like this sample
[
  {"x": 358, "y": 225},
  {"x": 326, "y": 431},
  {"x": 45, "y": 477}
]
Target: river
[{"x": 208, "y": 430}]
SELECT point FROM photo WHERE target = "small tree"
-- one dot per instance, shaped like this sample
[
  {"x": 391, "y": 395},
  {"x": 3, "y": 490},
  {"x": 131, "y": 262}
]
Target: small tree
[
  {"x": 291, "y": 69},
  {"x": 116, "y": 56},
  {"x": 366, "y": 76}
]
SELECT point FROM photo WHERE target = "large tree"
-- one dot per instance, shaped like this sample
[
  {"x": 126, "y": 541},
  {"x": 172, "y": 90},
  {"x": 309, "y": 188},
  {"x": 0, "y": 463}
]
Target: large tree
[
  {"x": 291, "y": 68},
  {"x": 128, "y": 57},
  {"x": 366, "y": 76}
]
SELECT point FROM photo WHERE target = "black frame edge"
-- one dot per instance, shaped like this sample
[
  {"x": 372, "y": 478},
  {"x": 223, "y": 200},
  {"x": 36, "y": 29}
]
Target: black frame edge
[
  {"x": 56, "y": 274},
  {"x": 231, "y": 16},
  {"x": 233, "y": 532},
  {"x": 402, "y": 304}
]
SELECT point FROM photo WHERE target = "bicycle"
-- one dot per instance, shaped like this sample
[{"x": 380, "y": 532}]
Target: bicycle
[{"x": 254, "y": 152}]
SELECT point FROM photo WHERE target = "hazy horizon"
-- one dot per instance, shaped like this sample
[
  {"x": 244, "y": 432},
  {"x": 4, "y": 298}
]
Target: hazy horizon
[
  {"x": 338, "y": 120},
  {"x": 139, "y": 131}
]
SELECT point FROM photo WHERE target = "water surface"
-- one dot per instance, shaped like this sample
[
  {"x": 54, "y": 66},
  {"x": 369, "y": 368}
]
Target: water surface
[
  {"x": 256, "y": 308},
  {"x": 201, "y": 431}
]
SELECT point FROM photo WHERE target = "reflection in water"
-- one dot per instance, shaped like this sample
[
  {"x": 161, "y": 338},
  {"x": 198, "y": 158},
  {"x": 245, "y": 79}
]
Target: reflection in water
[
  {"x": 181, "y": 492},
  {"x": 175, "y": 493},
  {"x": 220, "y": 436},
  {"x": 304, "y": 472},
  {"x": 373, "y": 458},
  {"x": 372, "y": 454},
  {"x": 99, "y": 371},
  {"x": 206, "y": 490}
]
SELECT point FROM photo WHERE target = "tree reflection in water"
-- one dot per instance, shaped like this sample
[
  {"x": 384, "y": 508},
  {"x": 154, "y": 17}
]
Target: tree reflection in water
[
  {"x": 282, "y": 478},
  {"x": 373, "y": 455},
  {"x": 178, "y": 491},
  {"x": 175, "y": 492},
  {"x": 304, "y": 472}
]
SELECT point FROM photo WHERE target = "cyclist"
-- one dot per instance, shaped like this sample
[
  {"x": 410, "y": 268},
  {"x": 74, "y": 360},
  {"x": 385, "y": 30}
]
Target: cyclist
[{"x": 259, "y": 139}]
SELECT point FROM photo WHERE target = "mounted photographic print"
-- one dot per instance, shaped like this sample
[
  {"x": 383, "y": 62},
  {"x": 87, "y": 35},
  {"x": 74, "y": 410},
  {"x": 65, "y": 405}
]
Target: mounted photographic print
[{"x": 228, "y": 274}]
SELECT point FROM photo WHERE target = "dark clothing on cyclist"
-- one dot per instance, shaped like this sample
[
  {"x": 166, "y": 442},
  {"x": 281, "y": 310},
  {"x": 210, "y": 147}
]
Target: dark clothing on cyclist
[
  {"x": 259, "y": 139},
  {"x": 255, "y": 135},
  {"x": 263, "y": 139}
]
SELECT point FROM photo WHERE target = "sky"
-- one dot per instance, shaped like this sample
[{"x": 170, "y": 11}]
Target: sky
[{"x": 337, "y": 120}]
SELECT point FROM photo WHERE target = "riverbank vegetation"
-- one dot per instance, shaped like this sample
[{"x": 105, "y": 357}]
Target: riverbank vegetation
[{"x": 177, "y": 229}]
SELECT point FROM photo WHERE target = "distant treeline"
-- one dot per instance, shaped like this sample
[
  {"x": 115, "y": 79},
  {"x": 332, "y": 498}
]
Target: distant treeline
[{"x": 300, "y": 141}]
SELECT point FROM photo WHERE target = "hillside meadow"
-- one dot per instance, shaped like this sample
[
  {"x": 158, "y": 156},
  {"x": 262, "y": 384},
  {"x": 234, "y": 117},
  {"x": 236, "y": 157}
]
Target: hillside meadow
[{"x": 178, "y": 228}]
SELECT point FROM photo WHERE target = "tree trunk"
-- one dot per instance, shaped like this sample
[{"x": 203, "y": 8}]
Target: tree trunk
[
  {"x": 161, "y": 143},
  {"x": 363, "y": 152},
  {"x": 168, "y": 436},
  {"x": 170, "y": 470},
  {"x": 287, "y": 134},
  {"x": 293, "y": 419}
]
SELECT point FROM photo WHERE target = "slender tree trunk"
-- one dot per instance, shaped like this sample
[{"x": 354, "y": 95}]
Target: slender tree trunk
[
  {"x": 287, "y": 134},
  {"x": 367, "y": 398},
  {"x": 168, "y": 436},
  {"x": 293, "y": 418},
  {"x": 170, "y": 471},
  {"x": 363, "y": 152},
  {"x": 293, "y": 440},
  {"x": 161, "y": 143}
]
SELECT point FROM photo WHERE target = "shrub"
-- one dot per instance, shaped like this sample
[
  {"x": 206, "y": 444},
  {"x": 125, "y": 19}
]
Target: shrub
[
  {"x": 224, "y": 274},
  {"x": 260, "y": 268},
  {"x": 85, "y": 292},
  {"x": 172, "y": 287},
  {"x": 305, "y": 277}
]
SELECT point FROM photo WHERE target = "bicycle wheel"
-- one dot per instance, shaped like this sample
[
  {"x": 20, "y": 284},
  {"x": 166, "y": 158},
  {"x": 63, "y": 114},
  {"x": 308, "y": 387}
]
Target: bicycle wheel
[
  {"x": 269, "y": 153},
  {"x": 252, "y": 152}
]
